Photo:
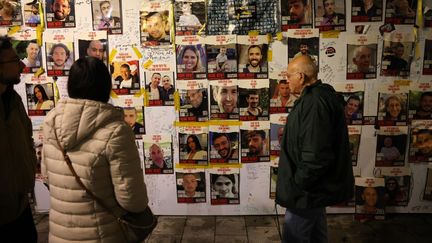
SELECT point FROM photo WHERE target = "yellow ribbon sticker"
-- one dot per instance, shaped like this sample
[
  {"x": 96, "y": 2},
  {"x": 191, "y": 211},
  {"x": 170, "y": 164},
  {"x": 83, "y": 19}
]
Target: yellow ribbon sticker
[{"x": 112, "y": 55}]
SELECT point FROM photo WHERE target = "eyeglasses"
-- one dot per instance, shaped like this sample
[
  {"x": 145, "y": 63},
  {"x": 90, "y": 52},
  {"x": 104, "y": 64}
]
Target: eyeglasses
[{"x": 17, "y": 60}]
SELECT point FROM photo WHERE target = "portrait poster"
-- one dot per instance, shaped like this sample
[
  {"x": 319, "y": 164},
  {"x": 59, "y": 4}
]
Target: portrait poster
[
  {"x": 427, "y": 194},
  {"x": 420, "y": 100},
  {"x": 11, "y": 13},
  {"x": 224, "y": 186},
  {"x": 362, "y": 56},
  {"x": 191, "y": 57},
  {"x": 296, "y": 14},
  {"x": 354, "y": 133},
  {"x": 277, "y": 126},
  {"x": 353, "y": 95},
  {"x": 274, "y": 166},
  {"x": 392, "y": 105},
  {"x": 133, "y": 112},
  {"x": 391, "y": 146},
  {"x": 28, "y": 50},
  {"x": 330, "y": 15},
  {"x": 158, "y": 59},
  {"x": 156, "y": 23},
  {"x": 397, "y": 185},
  {"x": 160, "y": 88},
  {"x": 370, "y": 198},
  {"x": 191, "y": 185},
  {"x": 254, "y": 100},
  {"x": 190, "y": 17},
  {"x": 366, "y": 11},
  {"x": 92, "y": 44},
  {"x": 252, "y": 60},
  {"x": 427, "y": 54},
  {"x": 39, "y": 94},
  {"x": 303, "y": 42},
  {"x": 397, "y": 53},
  {"x": 400, "y": 12},
  {"x": 107, "y": 15},
  {"x": 420, "y": 148},
  {"x": 224, "y": 99},
  {"x": 224, "y": 143},
  {"x": 193, "y": 144},
  {"x": 32, "y": 15},
  {"x": 221, "y": 57},
  {"x": 193, "y": 100},
  {"x": 125, "y": 71},
  {"x": 282, "y": 99},
  {"x": 255, "y": 141},
  {"x": 427, "y": 14},
  {"x": 60, "y": 14},
  {"x": 158, "y": 154},
  {"x": 59, "y": 51}
]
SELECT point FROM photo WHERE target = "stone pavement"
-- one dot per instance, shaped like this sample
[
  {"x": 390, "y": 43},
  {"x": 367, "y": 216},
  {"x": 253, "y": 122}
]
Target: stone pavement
[{"x": 397, "y": 228}]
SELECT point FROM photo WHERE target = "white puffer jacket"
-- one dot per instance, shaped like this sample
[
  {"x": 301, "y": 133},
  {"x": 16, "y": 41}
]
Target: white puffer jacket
[{"x": 102, "y": 149}]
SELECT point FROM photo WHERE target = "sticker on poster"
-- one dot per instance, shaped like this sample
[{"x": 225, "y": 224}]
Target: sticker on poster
[
  {"x": 354, "y": 135},
  {"x": 353, "y": 95},
  {"x": 10, "y": 13},
  {"x": 221, "y": 57},
  {"x": 391, "y": 146},
  {"x": 277, "y": 126},
  {"x": 420, "y": 149},
  {"x": 296, "y": 14},
  {"x": 60, "y": 13},
  {"x": 366, "y": 11},
  {"x": 397, "y": 185},
  {"x": 160, "y": 88},
  {"x": 282, "y": 99},
  {"x": 302, "y": 42},
  {"x": 254, "y": 100},
  {"x": 253, "y": 62},
  {"x": 59, "y": 50},
  {"x": 401, "y": 12},
  {"x": 191, "y": 57},
  {"x": 420, "y": 100},
  {"x": 31, "y": 13},
  {"x": 255, "y": 141},
  {"x": 92, "y": 44},
  {"x": 392, "y": 105},
  {"x": 107, "y": 15},
  {"x": 193, "y": 100},
  {"x": 193, "y": 145},
  {"x": 189, "y": 16},
  {"x": 224, "y": 100},
  {"x": 397, "y": 53},
  {"x": 26, "y": 47},
  {"x": 158, "y": 157},
  {"x": 40, "y": 97},
  {"x": 191, "y": 185},
  {"x": 330, "y": 15},
  {"x": 370, "y": 199},
  {"x": 224, "y": 186},
  {"x": 155, "y": 23},
  {"x": 362, "y": 56},
  {"x": 224, "y": 144}
]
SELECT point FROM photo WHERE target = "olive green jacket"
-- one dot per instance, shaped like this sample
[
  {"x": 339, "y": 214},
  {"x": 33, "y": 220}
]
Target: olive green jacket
[{"x": 315, "y": 162}]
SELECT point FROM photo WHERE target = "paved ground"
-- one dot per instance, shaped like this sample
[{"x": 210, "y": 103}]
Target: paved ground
[{"x": 397, "y": 228}]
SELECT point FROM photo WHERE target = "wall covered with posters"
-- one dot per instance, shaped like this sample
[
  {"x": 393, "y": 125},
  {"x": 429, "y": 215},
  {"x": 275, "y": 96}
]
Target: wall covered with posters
[{"x": 202, "y": 86}]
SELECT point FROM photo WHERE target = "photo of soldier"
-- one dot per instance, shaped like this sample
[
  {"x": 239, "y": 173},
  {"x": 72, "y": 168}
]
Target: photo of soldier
[
  {"x": 107, "y": 15},
  {"x": 427, "y": 58},
  {"x": 60, "y": 13},
  {"x": 255, "y": 146},
  {"x": 191, "y": 186},
  {"x": 160, "y": 88},
  {"x": 296, "y": 14},
  {"x": 193, "y": 148},
  {"x": 420, "y": 150},
  {"x": 155, "y": 28},
  {"x": 252, "y": 61},
  {"x": 191, "y": 61},
  {"x": 157, "y": 156},
  {"x": 254, "y": 104},
  {"x": 330, "y": 15},
  {"x": 30, "y": 54},
  {"x": 10, "y": 13},
  {"x": 93, "y": 48},
  {"x": 370, "y": 201},
  {"x": 125, "y": 77},
  {"x": 189, "y": 17},
  {"x": 134, "y": 117},
  {"x": 391, "y": 150},
  {"x": 193, "y": 105},
  {"x": 282, "y": 99},
  {"x": 60, "y": 57},
  {"x": 224, "y": 147},
  {"x": 224, "y": 102},
  {"x": 221, "y": 61},
  {"x": 40, "y": 98},
  {"x": 396, "y": 59},
  {"x": 224, "y": 188},
  {"x": 400, "y": 11},
  {"x": 366, "y": 10},
  {"x": 31, "y": 13},
  {"x": 361, "y": 61},
  {"x": 303, "y": 46}
]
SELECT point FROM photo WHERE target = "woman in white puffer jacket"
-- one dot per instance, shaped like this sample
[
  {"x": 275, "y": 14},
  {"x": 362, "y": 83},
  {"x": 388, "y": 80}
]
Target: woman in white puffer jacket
[{"x": 102, "y": 149}]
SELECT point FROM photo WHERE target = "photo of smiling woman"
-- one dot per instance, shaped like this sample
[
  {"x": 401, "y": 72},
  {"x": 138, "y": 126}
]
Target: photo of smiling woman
[{"x": 191, "y": 61}]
